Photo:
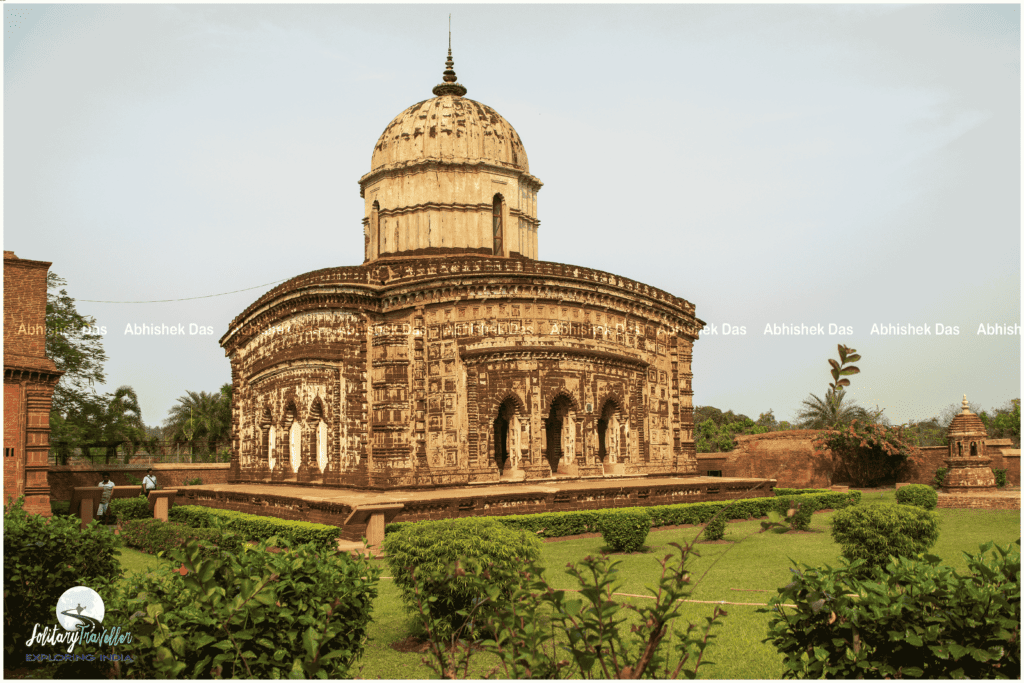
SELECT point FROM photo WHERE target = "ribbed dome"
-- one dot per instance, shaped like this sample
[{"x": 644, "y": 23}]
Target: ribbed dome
[
  {"x": 449, "y": 129},
  {"x": 965, "y": 423}
]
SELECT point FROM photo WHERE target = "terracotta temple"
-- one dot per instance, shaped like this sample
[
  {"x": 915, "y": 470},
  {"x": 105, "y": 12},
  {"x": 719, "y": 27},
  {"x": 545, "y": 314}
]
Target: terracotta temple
[
  {"x": 453, "y": 355},
  {"x": 968, "y": 465}
]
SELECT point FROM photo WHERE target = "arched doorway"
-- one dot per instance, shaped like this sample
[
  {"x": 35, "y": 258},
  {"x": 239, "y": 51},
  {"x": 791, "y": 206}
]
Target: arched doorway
[
  {"x": 561, "y": 432},
  {"x": 608, "y": 437},
  {"x": 503, "y": 424}
]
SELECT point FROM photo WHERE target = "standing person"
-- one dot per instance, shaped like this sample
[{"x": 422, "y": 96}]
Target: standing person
[
  {"x": 148, "y": 482},
  {"x": 108, "y": 492}
]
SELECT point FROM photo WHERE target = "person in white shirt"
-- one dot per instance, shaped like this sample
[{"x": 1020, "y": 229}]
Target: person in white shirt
[
  {"x": 148, "y": 482},
  {"x": 108, "y": 492}
]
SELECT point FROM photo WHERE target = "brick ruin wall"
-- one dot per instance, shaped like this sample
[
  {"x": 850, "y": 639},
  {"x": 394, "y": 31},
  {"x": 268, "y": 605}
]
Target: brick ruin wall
[
  {"x": 388, "y": 386},
  {"x": 789, "y": 457},
  {"x": 64, "y": 478}
]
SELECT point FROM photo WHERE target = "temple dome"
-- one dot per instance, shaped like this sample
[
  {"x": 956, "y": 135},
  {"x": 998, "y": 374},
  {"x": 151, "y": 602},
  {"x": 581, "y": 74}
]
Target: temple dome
[{"x": 449, "y": 129}]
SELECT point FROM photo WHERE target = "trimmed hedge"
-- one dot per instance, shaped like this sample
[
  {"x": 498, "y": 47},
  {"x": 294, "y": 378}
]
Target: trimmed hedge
[
  {"x": 714, "y": 530},
  {"x": 556, "y": 524},
  {"x": 796, "y": 492},
  {"x": 874, "y": 533},
  {"x": 431, "y": 548},
  {"x": 917, "y": 494},
  {"x": 625, "y": 530},
  {"x": 130, "y": 508},
  {"x": 153, "y": 536},
  {"x": 256, "y": 527}
]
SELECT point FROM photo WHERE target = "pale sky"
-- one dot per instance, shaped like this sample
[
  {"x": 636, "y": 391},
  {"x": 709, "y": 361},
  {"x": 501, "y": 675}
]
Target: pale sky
[{"x": 798, "y": 164}]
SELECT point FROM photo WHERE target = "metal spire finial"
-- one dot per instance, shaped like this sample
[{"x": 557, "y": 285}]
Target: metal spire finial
[{"x": 451, "y": 86}]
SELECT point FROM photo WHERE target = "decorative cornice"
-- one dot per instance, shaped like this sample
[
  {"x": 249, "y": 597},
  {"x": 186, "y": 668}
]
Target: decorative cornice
[
  {"x": 434, "y": 164},
  {"x": 513, "y": 353}
]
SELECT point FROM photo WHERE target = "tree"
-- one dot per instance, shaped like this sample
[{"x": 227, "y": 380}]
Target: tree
[
  {"x": 716, "y": 431},
  {"x": 1003, "y": 423},
  {"x": 75, "y": 346},
  {"x": 200, "y": 415},
  {"x": 867, "y": 454},
  {"x": 831, "y": 411}
]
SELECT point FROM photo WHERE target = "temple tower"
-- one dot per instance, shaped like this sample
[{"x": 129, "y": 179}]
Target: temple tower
[{"x": 449, "y": 176}]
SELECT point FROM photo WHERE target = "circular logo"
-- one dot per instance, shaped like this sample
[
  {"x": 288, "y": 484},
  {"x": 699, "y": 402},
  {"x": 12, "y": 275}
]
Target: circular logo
[{"x": 80, "y": 605}]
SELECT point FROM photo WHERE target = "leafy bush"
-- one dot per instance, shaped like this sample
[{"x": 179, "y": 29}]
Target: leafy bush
[
  {"x": 874, "y": 533},
  {"x": 1000, "y": 477},
  {"x": 543, "y": 633},
  {"x": 417, "y": 552},
  {"x": 940, "y": 476},
  {"x": 917, "y": 494},
  {"x": 43, "y": 557},
  {"x": 60, "y": 507},
  {"x": 910, "y": 619},
  {"x": 797, "y": 510},
  {"x": 555, "y": 524},
  {"x": 194, "y": 481},
  {"x": 302, "y": 613},
  {"x": 132, "y": 480},
  {"x": 625, "y": 530},
  {"x": 256, "y": 527},
  {"x": 130, "y": 508},
  {"x": 714, "y": 529},
  {"x": 867, "y": 454},
  {"x": 154, "y": 536}
]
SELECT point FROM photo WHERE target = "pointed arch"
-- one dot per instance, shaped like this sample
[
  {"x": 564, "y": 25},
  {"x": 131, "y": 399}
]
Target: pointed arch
[{"x": 318, "y": 421}]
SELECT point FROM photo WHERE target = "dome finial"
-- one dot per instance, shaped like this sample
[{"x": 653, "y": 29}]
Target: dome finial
[
  {"x": 451, "y": 86},
  {"x": 965, "y": 406}
]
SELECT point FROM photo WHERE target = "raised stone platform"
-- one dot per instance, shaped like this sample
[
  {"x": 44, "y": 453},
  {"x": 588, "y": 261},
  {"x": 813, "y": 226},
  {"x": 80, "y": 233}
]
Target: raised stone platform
[
  {"x": 361, "y": 513},
  {"x": 997, "y": 500}
]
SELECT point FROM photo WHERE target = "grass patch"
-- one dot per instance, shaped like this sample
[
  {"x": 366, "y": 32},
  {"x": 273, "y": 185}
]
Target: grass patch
[{"x": 748, "y": 570}]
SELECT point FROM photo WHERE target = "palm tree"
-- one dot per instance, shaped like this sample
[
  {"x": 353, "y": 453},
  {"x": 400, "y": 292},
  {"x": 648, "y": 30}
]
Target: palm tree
[
  {"x": 833, "y": 411},
  {"x": 200, "y": 415}
]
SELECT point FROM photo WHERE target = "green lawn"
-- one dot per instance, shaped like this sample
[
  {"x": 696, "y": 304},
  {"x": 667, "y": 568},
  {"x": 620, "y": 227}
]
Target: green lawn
[{"x": 748, "y": 570}]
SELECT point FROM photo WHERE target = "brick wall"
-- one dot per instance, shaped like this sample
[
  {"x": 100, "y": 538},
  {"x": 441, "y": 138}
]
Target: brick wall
[
  {"x": 29, "y": 381},
  {"x": 64, "y": 478},
  {"x": 637, "y": 494},
  {"x": 787, "y": 457},
  {"x": 922, "y": 469},
  {"x": 24, "y": 306}
]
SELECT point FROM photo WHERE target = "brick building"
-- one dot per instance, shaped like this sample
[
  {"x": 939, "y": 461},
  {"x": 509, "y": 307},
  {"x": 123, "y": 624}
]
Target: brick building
[
  {"x": 453, "y": 355},
  {"x": 29, "y": 380}
]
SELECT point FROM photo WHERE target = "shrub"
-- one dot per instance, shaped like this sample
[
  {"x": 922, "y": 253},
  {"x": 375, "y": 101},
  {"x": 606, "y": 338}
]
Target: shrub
[
  {"x": 625, "y": 530},
  {"x": 797, "y": 510},
  {"x": 940, "y": 476},
  {"x": 154, "y": 536},
  {"x": 43, "y": 557},
  {"x": 910, "y": 619},
  {"x": 796, "y": 492},
  {"x": 874, "y": 533},
  {"x": 256, "y": 527},
  {"x": 1000, "y": 477},
  {"x": 130, "y": 508},
  {"x": 917, "y": 494},
  {"x": 131, "y": 479},
  {"x": 194, "y": 481},
  {"x": 418, "y": 551},
  {"x": 869, "y": 454},
  {"x": 714, "y": 529},
  {"x": 251, "y": 614},
  {"x": 544, "y": 633},
  {"x": 555, "y": 524},
  {"x": 60, "y": 507}
]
